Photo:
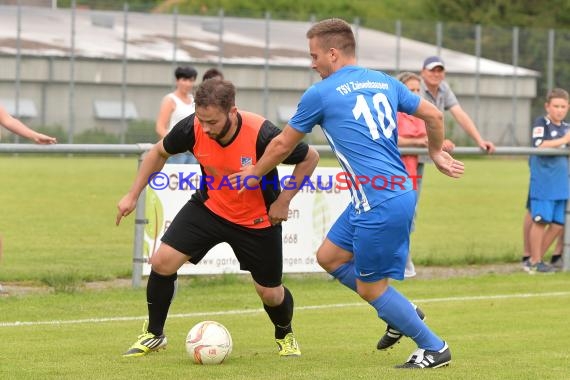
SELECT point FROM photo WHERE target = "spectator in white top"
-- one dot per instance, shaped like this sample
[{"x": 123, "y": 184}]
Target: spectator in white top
[{"x": 176, "y": 106}]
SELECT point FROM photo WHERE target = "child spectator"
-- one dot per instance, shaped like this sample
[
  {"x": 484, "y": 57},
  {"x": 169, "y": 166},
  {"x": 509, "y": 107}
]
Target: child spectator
[{"x": 549, "y": 187}]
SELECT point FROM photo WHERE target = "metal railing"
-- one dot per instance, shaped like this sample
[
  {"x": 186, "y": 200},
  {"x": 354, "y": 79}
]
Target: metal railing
[{"x": 144, "y": 147}]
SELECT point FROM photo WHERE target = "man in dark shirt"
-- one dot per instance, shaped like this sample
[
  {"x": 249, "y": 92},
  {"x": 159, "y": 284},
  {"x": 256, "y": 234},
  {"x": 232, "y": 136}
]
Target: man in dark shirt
[{"x": 223, "y": 139}]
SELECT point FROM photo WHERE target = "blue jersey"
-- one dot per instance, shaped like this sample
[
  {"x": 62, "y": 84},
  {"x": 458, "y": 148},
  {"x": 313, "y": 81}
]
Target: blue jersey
[
  {"x": 356, "y": 108},
  {"x": 548, "y": 174}
]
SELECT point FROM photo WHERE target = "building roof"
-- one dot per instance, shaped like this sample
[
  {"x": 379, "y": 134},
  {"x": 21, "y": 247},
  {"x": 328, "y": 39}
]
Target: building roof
[{"x": 100, "y": 34}]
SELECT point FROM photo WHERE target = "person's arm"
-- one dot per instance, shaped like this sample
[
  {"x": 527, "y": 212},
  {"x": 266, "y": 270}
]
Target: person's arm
[
  {"x": 469, "y": 127},
  {"x": 412, "y": 141},
  {"x": 422, "y": 142},
  {"x": 448, "y": 145},
  {"x": 16, "y": 126},
  {"x": 153, "y": 162},
  {"x": 163, "y": 119},
  {"x": 277, "y": 150},
  {"x": 279, "y": 210},
  {"x": 555, "y": 143},
  {"x": 435, "y": 131},
  {"x": 408, "y": 131}
]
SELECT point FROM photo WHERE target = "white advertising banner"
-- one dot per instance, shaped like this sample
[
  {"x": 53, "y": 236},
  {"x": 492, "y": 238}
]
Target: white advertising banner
[{"x": 312, "y": 212}]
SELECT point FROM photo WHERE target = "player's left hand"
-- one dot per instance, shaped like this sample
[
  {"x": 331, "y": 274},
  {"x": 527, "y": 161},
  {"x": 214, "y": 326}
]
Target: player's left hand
[
  {"x": 447, "y": 164},
  {"x": 278, "y": 211}
]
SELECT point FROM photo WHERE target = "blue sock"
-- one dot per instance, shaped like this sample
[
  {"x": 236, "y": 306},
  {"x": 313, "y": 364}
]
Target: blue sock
[
  {"x": 399, "y": 313},
  {"x": 345, "y": 274}
]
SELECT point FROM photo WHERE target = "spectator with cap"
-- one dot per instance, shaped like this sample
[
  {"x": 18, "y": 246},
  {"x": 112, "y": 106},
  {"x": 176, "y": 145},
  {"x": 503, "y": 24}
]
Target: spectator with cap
[{"x": 435, "y": 89}]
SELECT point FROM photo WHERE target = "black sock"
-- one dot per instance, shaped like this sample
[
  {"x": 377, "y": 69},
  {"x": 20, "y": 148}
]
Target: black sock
[
  {"x": 159, "y": 294},
  {"x": 555, "y": 258},
  {"x": 282, "y": 315},
  {"x": 525, "y": 258}
]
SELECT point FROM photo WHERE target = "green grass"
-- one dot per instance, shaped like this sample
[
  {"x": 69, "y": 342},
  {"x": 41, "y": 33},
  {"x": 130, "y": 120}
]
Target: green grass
[
  {"x": 58, "y": 214},
  {"x": 513, "y": 336},
  {"x": 58, "y": 229},
  {"x": 474, "y": 220}
]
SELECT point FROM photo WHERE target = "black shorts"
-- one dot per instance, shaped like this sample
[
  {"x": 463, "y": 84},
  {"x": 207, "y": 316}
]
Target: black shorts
[{"x": 196, "y": 229}]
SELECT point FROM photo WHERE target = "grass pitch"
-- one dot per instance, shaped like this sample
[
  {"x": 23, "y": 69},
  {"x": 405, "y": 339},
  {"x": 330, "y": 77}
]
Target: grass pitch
[
  {"x": 58, "y": 229},
  {"x": 498, "y": 327}
]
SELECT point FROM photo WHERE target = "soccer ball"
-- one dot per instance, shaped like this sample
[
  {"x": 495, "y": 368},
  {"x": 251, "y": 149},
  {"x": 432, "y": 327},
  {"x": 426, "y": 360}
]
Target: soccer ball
[{"x": 209, "y": 342}]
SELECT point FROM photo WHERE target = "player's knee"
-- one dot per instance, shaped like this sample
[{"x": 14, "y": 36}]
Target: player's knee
[
  {"x": 271, "y": 296},
  {"x": 329, "y": 259},
  {"x": 369, "y": 291},
  {"x": 324, "y": 261},
  {"x": 162, "y": 266}
]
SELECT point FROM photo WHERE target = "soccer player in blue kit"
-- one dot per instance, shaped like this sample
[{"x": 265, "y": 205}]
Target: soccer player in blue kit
[{"x": 368, "y": 244}]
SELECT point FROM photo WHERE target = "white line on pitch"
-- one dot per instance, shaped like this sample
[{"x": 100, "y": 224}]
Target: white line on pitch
[{"x": 253, "y": 311}]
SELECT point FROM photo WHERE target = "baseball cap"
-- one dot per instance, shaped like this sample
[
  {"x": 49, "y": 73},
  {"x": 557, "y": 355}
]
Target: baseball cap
[{"x": 432, "y": 62}]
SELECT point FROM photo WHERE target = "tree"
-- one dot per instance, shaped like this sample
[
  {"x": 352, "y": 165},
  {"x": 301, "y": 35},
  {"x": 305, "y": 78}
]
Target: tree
[{"x": 545, "y": 14}]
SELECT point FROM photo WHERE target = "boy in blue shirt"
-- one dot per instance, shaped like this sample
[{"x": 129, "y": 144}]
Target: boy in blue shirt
[{"x": 549, "y": 187}]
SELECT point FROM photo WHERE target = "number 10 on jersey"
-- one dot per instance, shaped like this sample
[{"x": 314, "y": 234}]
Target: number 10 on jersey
[{"x": 384, "y": 118}]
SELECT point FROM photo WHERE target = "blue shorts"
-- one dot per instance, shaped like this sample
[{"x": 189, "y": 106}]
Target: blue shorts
[
  {"x": 548, "y": 211},
  {"x": 379, "y": 238}
]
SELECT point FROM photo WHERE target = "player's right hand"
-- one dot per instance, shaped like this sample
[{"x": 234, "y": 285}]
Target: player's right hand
[
  {"x": 447, "y": 164},
  {"x": 125, "y": 206}
]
